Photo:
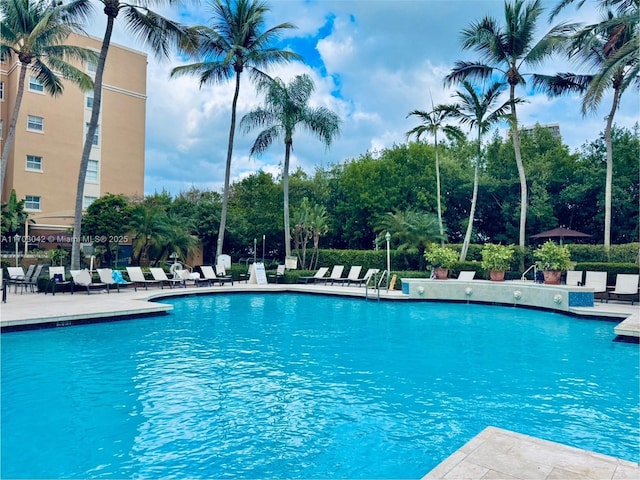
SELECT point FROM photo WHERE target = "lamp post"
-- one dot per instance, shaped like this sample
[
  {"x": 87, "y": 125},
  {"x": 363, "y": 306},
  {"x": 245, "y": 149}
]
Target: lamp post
[
  {"x": 387, "y": 237},
  {"x": 255, "y": 246},
  {"x": 263, "y": 242},
  {"x": 16, "y": 239}
]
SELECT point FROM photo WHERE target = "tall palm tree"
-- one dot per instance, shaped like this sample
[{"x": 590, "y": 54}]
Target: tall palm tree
[
  {"x": 505, "y": 50},
  {"x": 432, "y": 123},
  {"x": 287, "y": 107},
  {"x": 478, "y": 111},
  {"x": 610, "y": 48},
  {"x": 34, "y": 31},
  {"x": 237, "y": 40},
  {"x": 159, "y": 34}
]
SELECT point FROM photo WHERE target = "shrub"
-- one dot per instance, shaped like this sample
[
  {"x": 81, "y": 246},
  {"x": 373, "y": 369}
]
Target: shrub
[
  {"x": 441, "y": 257},
  {"x": 497, "y": 257},
  {"x": 552, "y": 256}
]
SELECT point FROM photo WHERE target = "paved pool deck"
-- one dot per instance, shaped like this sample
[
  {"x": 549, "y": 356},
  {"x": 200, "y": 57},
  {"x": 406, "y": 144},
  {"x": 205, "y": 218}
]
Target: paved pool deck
[{"x": 493, "y": 454}]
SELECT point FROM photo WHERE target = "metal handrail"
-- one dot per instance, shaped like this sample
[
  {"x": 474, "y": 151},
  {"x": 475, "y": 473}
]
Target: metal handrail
[{"x": 535, "y": 273}]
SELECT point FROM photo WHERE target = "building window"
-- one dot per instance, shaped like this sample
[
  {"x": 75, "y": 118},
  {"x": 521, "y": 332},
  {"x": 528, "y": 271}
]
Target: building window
[
  {"x": 35, "y": 85},
  {"x": 92, "y": 66},
  {"x": 34, "y": 163},
  {"x": 89, "y": 100},
  {"x": 35, "y": 124},
  {"x": 96, "y": 135},
  {"x": 92, "y": 171},
  {"x": 32, "y": 202},
  {"x": 1, "y": 90},
  {"x": 86, "y": 201}
]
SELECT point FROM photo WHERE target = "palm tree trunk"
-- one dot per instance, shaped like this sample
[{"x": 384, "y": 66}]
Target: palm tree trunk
[
  {"x": 515, "y": 135},
  {"x": 609, "y": 177},
  {"x": 88, "y": 143},
  {"x": 12, "y": 124},
  {"x": 285, "y": 188},
  {"x": 227, "y": 173},
  {"x": 472, "y": 211},
  {"x": 439, "y": 202}
]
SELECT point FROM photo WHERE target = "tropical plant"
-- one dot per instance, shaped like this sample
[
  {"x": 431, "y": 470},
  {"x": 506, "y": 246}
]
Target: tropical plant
[
  {"x": 106, "y": 221},
  {"x": 13, "y": 216},
  {"x": 310, "y": 223},
  {"x": 34, "y": 32},
  {"x": 506, "y": 49},
  {"x": 286, "y": 107},
  {"x": 432, "y": 123},
  {"x": 609, "y": 47},
  {"x": 237, "y": 40},
  {"x": 148, "y": 227},
  {"x": 438, "y": 256},
  {"x": 477, "y": 111},
  {"x": 159, "y": 34},
  {"x": 497, "y": 257},
  {"x": 551, "y": 256}
]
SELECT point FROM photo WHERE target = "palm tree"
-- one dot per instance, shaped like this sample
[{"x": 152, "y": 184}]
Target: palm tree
[
  {"x": 432, "y": 123},
  {"x": 506, "y": 49},
  {"x": 610, "y": 48},
  {"x": 478, "y": 111},
  {"x": 286, "y": 107},
  {"x": 159, "y": 34},
  {"x": 236, "y": 41},
  {"x": 34, "y": 31}
]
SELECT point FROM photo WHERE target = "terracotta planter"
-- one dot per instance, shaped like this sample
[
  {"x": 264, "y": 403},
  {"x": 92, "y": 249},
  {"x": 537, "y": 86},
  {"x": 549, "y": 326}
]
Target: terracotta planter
[
  {"x": 496, "y": 275},
  {"x": 552, "y": 277},
  {"x": 441, "y": 273}
]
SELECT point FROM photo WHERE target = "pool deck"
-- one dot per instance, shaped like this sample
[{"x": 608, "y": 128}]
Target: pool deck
[{"x": 493, "y": 454}]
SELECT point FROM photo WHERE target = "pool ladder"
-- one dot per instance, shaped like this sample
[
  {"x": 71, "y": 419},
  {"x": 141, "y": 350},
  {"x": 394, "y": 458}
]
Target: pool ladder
[
  {"x": 535, "y": 273},
  {"x": 376, "y": 284}
]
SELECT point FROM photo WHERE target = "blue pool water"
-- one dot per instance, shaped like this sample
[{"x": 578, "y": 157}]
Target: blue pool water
[{"x": 298, "y": 386}]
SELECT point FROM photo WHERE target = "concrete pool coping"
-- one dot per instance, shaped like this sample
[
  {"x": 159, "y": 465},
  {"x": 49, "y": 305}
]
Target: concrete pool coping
[{"x": 493, "y": 453}]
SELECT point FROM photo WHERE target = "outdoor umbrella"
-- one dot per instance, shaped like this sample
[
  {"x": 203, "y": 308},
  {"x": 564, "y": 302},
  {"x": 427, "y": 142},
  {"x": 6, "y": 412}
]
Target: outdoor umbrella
[{"x": 560, "y": 233}]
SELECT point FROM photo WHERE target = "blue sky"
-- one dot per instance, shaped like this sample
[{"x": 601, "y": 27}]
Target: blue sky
[{"x": 373, "y": 61}]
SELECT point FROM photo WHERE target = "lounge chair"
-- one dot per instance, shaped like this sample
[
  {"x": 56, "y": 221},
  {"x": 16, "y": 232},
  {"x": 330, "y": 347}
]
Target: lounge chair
[
  {"x": 209, "y": 275},
  {"x": 160, "y": 275},
  {"x": 363, "y": 281},
  {"x": 354, "y": 274},
  {"x": 598, "y": 282},
  {"x": 137, "y": 277},
  {"x": 221, "y": 273},
  {"x": 32, "y": 282},
  {"x": 574, "y": 278},
  {"x": 83, "y": 278},
  {"x": 466, "y": 275},
  {"x": 278, "y": 275},
  {"x": 336, "y": 274},
  {"x": 626, "y": 287},
  {"x": 187, "y": 276},
  {"x": 17, "y": 277},
  {"x": 318, "y": 276},
  {"x": 56, "y": 278},
  {"x": 109, "y": 279}
]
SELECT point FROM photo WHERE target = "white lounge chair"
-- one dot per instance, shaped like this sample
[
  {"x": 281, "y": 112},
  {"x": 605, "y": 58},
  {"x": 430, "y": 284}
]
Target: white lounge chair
[
  {"x": 160, "y": 275},
  {"x": 137, "y": 277},
  {"x": 56, "y": 278},
  {"x": 221, "y": 273},
  {"x": 188, "y": 276},
  {"x": 574, "y": 278},
  {"x": 109, "y": 279},
  {"x": 17, "y": 277},
  {"x": 466, "y": 275},
  {"x": 278, "y": 275},
  {"x": 598, "y": 282},
  {"x": 363, "y": 281},
  {"x": 83, "y": 279},
  {"x": 210, "y": 276},
  {"x": 353, "y": 275},
  {"x": 336, "y": 274},
  {"x": 319, "y": 275},
  {"x": 626, "y": 287}
]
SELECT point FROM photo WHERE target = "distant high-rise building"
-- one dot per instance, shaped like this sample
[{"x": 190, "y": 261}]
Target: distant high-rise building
[
  {"x": 44, "y": 161},
  {"x": 554, "y": 128}
]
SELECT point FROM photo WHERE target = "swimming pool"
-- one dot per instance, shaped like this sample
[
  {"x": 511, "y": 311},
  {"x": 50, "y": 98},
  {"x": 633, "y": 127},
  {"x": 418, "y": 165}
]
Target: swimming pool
[{"x": 301, "y": 386}]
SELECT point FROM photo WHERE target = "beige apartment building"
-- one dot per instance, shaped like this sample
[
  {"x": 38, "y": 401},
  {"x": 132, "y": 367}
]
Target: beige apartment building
[{"x": 44, "y": 161}]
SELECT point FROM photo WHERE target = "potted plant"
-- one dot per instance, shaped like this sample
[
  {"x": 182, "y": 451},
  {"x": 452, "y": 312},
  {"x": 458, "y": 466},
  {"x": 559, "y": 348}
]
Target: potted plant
[
  {"x": 552, "y": 259},
  {"x": 497, "y": 259},
  {"x": 441, "y": 259}
]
